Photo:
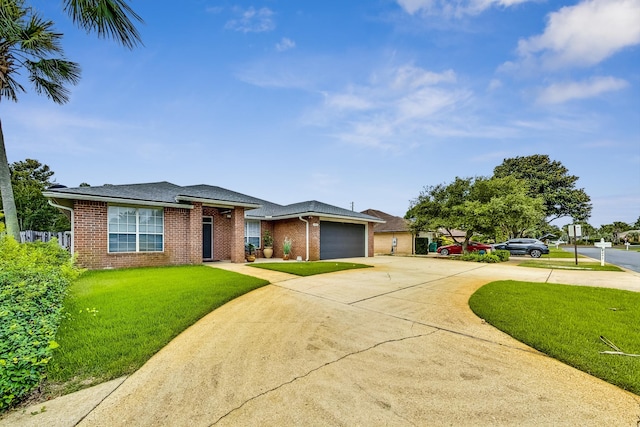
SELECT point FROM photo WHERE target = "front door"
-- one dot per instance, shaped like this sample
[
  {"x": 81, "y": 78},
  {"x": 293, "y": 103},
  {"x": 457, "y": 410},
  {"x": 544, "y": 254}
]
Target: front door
[{"x": 207, "y": 237}]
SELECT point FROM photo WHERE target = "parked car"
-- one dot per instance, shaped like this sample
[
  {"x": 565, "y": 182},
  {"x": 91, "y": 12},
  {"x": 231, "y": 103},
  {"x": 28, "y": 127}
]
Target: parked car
[
  {"x": 456, "y": 248},
  {"x": 533, "y": 247}
]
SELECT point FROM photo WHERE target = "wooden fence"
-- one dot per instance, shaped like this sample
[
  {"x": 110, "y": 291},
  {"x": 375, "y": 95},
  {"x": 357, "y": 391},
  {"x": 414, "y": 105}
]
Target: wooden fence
[{"x": 64, "y": 237}]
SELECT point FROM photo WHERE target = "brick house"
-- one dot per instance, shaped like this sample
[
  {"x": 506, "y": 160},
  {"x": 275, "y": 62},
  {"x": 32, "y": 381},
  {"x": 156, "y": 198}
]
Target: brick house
[{"x": 153, "y": 224}]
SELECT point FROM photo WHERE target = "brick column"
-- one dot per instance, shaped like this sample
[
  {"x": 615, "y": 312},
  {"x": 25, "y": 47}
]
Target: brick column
[
  {"x": 237, "y": 235},
  {"x": 314, "y": 238},
  {"x": 195, "y": 234}
]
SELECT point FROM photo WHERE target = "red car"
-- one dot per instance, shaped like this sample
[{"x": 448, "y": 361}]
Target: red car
[{"x": 456, "y": 248}]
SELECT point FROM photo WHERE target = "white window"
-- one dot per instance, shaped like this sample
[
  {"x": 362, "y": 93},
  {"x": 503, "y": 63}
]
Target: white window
[
  {"x": 136, "y": 229},
  {"x": 252, "y": 232}
]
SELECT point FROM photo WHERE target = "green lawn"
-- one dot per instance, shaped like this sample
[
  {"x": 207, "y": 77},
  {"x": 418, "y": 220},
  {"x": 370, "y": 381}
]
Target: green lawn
[
  {"x": 569, "y": 265},
  {"x": 117, "y": 319},
  {"x": 309, "y": 268},
  {"x": 566, "y": 322},
  {"x": 560, "y": 253}
]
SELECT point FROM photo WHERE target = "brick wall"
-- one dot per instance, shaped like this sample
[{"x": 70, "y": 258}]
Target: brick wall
[
  {"x": 183, "y": 237},
  {"x": 237, "y": 235},
  {"x": 296, "y": 231},
  {"x": 194, "y": 237},
  {"x": 91, "y": 237}
]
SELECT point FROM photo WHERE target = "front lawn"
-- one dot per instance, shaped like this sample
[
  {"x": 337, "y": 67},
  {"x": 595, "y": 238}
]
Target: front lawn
[
  {"x": 566, "y": 322},
  {"x": 309, "y": 268},
  {"x": 569, "y": 265},
  {"x": 117, "y": 319}
]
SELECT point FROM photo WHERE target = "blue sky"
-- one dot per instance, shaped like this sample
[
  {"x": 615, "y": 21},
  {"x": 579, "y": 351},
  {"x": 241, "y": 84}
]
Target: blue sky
[{"x": 348, "y": 101}]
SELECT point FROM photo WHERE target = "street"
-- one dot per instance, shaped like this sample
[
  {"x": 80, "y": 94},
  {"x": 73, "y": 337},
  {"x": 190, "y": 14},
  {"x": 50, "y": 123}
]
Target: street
[{"x": 619, "y": 257}]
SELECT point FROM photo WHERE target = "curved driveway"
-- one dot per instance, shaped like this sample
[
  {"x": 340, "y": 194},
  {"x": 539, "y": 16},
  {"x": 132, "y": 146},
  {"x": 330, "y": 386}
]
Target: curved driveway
[{"x": 394, "y": 345}]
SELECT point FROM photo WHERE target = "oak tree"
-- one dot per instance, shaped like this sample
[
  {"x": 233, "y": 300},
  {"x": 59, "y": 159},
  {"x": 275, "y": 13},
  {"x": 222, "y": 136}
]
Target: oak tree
[{"x": 551, "y": 181}]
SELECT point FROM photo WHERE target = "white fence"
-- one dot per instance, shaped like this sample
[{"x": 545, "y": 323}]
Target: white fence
[{"x": 64, "y": 237}]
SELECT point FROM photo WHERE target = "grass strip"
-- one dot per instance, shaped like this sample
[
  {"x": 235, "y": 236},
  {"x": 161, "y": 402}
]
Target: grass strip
[
  {"x": 117, "y": 319},
  {"x": 309, "y": 268},
  {"x": 566, "y": 323},
  {"x": 569, "y": 265},
  {"x": 560, "y": 253}
]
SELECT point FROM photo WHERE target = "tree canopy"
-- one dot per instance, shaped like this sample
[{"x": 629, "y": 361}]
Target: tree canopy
[
  {"x": 29, "y": 178},
  {"x": 493, "y": 207},
  {"x": 551, "y": 181}
]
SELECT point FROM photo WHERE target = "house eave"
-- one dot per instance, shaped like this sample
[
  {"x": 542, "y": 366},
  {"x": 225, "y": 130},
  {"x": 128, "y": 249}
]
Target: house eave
[
  {"x": 322, "y": 216},
  {"x": 119, "y": 200}
]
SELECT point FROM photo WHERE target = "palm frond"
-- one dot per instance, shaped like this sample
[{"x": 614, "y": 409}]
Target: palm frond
[
  {"x": 39, "y": 38},
  {"x": 49, "y": 77},
  {"x": 108, "y": 18},
  {"x": 9, "y": 88},
  {"x": 28, "y": 42}
]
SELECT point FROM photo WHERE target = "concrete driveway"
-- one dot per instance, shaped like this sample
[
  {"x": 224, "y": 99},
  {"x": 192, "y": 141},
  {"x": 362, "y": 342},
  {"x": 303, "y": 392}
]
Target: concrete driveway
[{"x": 395, "y": 345}]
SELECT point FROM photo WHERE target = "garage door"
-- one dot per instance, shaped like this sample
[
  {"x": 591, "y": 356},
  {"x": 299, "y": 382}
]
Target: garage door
[{"x": 341, "y": 240}]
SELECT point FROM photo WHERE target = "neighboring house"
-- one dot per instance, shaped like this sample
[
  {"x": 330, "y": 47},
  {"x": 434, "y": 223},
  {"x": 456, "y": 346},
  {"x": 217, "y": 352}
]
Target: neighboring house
[
  {"x": 394, "y": 236},
  {"x": 630, "y": 235},
  {"x": 161, "y": 223}
]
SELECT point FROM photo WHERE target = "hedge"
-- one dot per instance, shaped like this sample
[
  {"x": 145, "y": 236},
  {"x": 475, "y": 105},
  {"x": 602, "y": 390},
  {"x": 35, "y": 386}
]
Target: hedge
[{"x": 34, "y": 278}]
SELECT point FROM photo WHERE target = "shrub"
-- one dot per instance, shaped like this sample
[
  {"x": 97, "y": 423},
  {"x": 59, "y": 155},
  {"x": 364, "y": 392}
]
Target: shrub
[
  {"x": 502, "y": 254},
  {"x": 33, "y": 281},
  {"x": 477, "y": 257}
]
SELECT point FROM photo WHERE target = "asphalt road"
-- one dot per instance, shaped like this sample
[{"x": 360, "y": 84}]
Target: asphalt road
[{"x": 619, "y": 257}]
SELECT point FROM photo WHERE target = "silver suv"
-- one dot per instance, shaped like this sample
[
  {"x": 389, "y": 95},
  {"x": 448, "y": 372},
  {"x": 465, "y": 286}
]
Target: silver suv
[{"x": 523, "y": 246}]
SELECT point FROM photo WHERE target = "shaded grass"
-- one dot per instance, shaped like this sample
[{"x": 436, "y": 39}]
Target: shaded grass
[
  {"x": 117, "y": 319},
  {"x": 566, "y": 323},
  {"x": 309, "y": 268},
  {"x": 569, "y": 265}
]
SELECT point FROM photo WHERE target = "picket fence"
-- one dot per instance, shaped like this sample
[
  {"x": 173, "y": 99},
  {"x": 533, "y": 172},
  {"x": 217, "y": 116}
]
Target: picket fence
[{"x": 64, "y": 237}]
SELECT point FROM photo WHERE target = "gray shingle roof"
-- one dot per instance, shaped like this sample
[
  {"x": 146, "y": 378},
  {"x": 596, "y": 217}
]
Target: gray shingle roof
[
  {"x": 163, "y": 192},
  {"x": 211, "y": 192},
  {"x": 166, "y": 192},
  {"x": 312, "y": 207},
  {"x": 393, "y": 223}
]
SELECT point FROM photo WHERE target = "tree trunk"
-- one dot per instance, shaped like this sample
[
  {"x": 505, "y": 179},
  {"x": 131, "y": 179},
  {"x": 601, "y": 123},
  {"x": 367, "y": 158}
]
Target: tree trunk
[
  {"x": 467, "y": 238},
  {"x": 8, "y": 202}
]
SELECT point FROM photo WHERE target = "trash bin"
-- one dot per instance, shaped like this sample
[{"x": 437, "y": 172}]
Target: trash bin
[{"x": 433, "y": 246}]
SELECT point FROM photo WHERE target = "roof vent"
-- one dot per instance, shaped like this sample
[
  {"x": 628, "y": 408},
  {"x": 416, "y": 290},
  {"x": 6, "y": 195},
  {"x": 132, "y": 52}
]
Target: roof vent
[{"x": 54, "y": 186}]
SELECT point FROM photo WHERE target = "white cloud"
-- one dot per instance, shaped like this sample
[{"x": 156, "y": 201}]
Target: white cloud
[
  {"x": 394, "y": 107},
  {"x": 411, "y": 77},
  {"x": 454, "y": 7},
  {"x": 285, "y": 44},
  {"x": 494, "y": 84},
  {"x": 252, "y": 20},
  {"x": 348, "y": 101},
  {"x": 558, "y": 93},
  {"x": 584, "y": 34}
]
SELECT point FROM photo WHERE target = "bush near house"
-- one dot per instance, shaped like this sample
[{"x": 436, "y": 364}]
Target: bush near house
[{"x": 33, "y": 281}]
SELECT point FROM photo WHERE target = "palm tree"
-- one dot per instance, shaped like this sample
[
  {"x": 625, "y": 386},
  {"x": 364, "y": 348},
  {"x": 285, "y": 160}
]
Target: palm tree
[{"x": 29, "y": 44}]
